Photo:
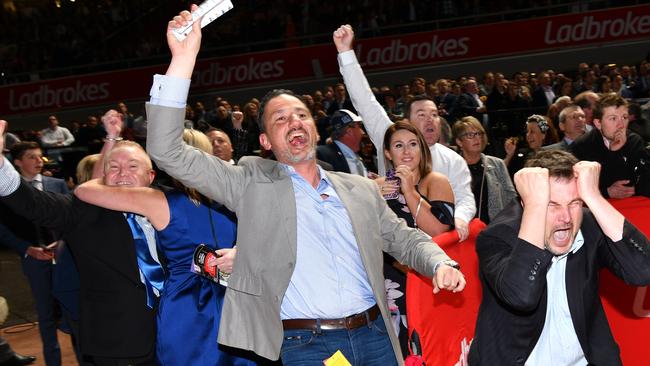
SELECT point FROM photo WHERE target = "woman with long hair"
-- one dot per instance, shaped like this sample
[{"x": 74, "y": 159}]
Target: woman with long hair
[{"x": 423, "y": 198}]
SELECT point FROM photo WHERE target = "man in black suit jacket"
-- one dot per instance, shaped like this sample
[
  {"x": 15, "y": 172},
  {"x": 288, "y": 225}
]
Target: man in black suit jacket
[
  {"x": 37, "y": 257},
  {"x": 346, "y": 134},
  {"x": 341, "y": 100},
  {"x": 470, "y": 104},
  {"x": 540, "y": 282},
  {"x": 117, "y": 327}
]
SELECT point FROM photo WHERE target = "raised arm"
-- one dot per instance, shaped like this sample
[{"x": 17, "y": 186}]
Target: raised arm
[
  {"x": 113, "y": 122},
  {"x": 166, "y": 111},
  {"x": 609, "y": 219},
  {"x": 375, "y": 119}
]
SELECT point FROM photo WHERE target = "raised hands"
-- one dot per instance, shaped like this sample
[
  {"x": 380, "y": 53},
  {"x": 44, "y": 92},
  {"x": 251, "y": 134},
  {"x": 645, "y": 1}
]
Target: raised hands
[
  {"x": 534, "y": 189},
  {"x": 183, "y": 52},
  {"x": 343, "y": 38},
  {"x": 533, "y": 186},
  {"x": 587, "y": 174},
  {"x": 113, "y": 122}
]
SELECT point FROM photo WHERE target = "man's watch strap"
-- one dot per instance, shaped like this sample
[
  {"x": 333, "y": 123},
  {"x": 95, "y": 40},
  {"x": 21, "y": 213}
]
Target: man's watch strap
[{"x": 449, "y": 262}]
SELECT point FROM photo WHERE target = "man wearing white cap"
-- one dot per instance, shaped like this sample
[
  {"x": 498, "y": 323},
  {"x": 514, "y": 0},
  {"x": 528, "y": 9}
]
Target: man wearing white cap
[{"x": 342, "y": 153}]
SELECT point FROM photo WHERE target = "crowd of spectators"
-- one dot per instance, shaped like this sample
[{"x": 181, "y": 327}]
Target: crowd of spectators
[
  {"x": 507, "y": 102},
  {"x": 39, "y": 37}
]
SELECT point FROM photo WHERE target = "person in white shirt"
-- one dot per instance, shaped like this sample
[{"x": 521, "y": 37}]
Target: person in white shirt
[
  {"x": 55, "y": 135},
  {"x": 422, "y": 113}
]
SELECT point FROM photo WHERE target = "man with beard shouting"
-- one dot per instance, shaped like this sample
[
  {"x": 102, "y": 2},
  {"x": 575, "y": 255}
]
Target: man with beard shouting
[
  {"x": 308, "y": 278},
  {"x": 540, "y": 282}
]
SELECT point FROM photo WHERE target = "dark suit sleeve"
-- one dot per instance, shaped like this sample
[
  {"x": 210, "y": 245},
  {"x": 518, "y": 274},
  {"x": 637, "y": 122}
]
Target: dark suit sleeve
[
  {"x": 466, "y": 105},
  {"x": 48, "y": 209},
  {"x": 9, "y": 240},
  {"x": 514, "y": 269},
  {"x": 628, "y": 258}
]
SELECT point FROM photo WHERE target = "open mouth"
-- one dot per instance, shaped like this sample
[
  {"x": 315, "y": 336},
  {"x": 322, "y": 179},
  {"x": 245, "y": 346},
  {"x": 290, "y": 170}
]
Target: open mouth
[
  {"x": 297, "y": 139},
  {"x": 562, "y": 235}
]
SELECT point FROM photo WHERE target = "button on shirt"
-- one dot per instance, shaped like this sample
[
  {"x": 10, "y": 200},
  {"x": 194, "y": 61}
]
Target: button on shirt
[
  {"x": 329, "y": 280},
  {"x": 558, "y": 344}
]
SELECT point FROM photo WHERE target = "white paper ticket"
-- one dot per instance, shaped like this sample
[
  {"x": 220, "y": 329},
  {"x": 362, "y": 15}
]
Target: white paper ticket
[{"x": 209, "y": 10}]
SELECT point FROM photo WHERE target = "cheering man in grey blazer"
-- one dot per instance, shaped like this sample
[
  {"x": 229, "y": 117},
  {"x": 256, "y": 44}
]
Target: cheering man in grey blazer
[{"x": 308, "y": 273}]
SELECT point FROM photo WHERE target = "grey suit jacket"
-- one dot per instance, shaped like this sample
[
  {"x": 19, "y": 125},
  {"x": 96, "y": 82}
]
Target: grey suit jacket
[
  {"x": 261, "y": 193},
  {"x": 562, "y": 145},
  {"x": 500, "y": 188}
]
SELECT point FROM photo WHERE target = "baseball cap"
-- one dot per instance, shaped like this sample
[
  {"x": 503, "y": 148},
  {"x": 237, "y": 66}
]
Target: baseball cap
[{"x": 342, "y": 118}]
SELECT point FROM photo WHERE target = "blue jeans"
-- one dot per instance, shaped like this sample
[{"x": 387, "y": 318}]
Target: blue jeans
[{"x": 368, "y": 345}]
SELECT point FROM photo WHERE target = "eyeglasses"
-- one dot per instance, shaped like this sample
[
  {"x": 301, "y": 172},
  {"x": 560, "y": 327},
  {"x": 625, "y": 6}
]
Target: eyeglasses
[{"x": 471, "y": 135}]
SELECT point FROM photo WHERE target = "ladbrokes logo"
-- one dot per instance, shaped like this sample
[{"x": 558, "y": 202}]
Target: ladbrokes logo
[
  {"x": 46, "y": 97},
  {"x": 589, "y": 29},
  {"x": 398, "y": 52},
  {"x": 217, "y": 74}
]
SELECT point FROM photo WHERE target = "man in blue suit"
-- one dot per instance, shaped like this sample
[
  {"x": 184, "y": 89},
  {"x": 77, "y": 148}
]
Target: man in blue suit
[{"x": 38, "y": 254}]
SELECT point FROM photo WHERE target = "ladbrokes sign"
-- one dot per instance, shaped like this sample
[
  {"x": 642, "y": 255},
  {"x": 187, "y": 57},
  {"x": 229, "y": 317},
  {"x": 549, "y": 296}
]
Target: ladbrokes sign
[{"x": 401, "y": 51}]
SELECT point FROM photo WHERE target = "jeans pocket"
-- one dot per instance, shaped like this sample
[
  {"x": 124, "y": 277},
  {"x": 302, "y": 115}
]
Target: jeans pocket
[
  {"x": 379, "y": 326},
  {"x": 294, "y": 340}
]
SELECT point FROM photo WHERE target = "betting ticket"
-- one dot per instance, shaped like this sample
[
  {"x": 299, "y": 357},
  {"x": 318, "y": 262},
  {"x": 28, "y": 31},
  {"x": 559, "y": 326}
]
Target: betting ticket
[{"x": 209, "y": 10}]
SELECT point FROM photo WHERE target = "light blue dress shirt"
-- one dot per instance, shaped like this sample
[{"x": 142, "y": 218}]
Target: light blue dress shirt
[
  {"x": 329, "y": 280},
  {"x": 558, "y": 344}
]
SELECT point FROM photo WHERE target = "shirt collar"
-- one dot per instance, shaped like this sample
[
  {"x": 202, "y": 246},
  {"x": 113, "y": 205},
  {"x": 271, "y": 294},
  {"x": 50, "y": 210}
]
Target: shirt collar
[
  {"x": 37, "y": 178},
  {"x": 345, "y": 149},
  {"x": 292, "y": 172}
]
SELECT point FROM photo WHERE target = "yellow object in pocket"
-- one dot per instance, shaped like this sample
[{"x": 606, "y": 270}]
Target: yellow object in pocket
[{"x": 337, "y": 359}]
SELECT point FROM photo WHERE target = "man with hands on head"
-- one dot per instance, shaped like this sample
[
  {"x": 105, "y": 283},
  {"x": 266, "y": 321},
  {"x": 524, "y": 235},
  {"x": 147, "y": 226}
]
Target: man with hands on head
[
  {"x": 117, "y": 309},
  {"x": 308, "y": 272},
  {"x": 540, "y": 282},
  {"x": 422, "y": 113}
]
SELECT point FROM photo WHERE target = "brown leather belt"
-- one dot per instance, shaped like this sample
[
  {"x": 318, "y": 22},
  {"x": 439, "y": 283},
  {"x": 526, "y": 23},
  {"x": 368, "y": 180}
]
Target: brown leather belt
[{"x": 350, "y": 322}]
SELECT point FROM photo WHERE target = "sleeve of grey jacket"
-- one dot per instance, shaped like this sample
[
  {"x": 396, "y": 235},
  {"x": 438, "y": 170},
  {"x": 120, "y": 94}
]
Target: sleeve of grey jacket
[{"x": 194, "y": 168}]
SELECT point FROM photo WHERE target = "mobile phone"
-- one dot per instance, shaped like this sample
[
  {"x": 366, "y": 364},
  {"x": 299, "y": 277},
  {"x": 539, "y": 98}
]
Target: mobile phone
[{"x": 392, "y": 178}]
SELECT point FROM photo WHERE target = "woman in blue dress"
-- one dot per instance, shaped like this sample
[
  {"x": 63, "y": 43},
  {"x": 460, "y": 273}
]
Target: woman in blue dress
[{"x": 190, "y": 305}]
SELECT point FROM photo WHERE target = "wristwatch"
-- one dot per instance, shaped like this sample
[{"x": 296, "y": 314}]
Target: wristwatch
[{"x": 450, "y": 263}]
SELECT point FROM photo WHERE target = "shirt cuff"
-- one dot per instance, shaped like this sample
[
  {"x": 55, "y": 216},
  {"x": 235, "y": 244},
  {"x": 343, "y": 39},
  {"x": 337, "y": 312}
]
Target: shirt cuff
[
  {"x": 9, "y": 178},
  {"x": 169, "y": 91},
  {"x": 347, "y": 58}
]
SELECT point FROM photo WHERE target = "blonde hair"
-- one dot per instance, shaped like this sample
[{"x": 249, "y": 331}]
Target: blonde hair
[
  {"x": 197, "y": 139},
  {"x": 200, "y": 141},
  {"x": 85, "y": 168}
]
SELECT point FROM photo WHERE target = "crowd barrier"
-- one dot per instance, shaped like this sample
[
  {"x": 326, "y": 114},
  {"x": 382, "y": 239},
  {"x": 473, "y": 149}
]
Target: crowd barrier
[{"x": 445, "y": 322}]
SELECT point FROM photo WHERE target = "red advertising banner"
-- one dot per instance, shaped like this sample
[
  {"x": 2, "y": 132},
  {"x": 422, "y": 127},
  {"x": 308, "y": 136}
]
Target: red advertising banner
[{"x": 311, "y": 62}]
